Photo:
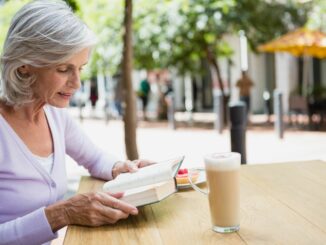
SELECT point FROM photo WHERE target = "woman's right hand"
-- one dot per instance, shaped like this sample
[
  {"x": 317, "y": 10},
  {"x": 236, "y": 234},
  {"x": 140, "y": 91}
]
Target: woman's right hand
[{"x": 89, "y": 209}]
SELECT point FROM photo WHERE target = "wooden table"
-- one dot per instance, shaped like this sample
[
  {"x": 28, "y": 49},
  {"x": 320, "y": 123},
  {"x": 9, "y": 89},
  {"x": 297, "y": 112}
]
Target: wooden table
[{"x": 282, "y": 203}]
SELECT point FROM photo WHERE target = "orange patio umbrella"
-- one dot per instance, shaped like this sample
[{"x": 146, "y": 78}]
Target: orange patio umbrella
[{"x": 301, "y": 42}]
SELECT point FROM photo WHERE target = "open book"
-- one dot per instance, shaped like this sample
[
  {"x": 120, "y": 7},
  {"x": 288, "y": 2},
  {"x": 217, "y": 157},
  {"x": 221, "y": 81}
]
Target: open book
[{"x": 149, "y": 184}]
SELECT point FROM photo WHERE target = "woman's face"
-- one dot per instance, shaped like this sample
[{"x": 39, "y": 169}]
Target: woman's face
[{"x": 55, "y": 85}]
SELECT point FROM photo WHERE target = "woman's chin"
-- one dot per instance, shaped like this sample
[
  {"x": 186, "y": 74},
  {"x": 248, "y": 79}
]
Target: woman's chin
[{"x": 59, "y": 104}]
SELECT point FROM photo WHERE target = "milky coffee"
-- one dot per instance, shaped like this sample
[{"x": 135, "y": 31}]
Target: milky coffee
[{"x": 223, "y": 176}]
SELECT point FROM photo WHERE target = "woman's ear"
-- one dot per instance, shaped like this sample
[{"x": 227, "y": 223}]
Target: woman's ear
[{"x": 24, "y": 70}]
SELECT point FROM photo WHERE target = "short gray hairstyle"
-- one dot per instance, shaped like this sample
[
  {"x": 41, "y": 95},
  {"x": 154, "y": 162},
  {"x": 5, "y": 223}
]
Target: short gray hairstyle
[{"x": 41, "y": 34}]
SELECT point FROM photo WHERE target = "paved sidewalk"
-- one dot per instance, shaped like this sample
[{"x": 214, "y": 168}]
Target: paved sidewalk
[{"x": 156, "y": 141}]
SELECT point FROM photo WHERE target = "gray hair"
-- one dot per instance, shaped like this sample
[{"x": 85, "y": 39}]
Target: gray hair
[{"x": 41, "y": 34}]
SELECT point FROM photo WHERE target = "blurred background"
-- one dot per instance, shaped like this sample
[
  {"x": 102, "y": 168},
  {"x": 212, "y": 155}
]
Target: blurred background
[{"x": 164, "y": 64}]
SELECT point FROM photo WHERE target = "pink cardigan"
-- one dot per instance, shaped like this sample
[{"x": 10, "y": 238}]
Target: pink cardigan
[{"x": 26, "y": 188}]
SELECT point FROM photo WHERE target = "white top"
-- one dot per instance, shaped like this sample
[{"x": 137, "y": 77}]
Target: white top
[
  {"x": 46, "y": 162},
  {"x": 21, "y": 177}
]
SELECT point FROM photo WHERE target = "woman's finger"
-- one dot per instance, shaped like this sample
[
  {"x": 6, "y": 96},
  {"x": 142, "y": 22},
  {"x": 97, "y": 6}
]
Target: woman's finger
[
  {"x": 111, "y": 201},
  {"x": 116, "y": 195},
  {"x": 131, "y": 166},
  {"x": 113, "y": 215},
  {"x": 144, "y": 162}
]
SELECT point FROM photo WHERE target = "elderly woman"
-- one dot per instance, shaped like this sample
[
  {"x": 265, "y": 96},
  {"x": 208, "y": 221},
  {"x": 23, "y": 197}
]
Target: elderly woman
[{"x": 44, "y": 52}]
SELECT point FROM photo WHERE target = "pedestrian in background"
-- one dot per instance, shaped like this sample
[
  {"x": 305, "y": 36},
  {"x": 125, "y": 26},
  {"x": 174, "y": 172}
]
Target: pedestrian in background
[
  {"x": 93, "y": 96},
  {"x": 244, "y": 84},
  {"x": 143, "y": 94}
]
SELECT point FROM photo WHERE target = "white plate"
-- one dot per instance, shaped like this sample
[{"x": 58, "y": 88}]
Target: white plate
[{"x": 201, "y": 179}]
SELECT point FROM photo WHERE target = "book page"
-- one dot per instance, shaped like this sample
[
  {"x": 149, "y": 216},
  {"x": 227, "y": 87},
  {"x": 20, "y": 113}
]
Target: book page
[{"x": 155, "y": 173}]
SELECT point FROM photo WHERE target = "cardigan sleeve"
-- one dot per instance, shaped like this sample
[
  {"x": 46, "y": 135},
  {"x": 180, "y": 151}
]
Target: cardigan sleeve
[
  {"x": 85, "y": 152},
  {"x": 32, "y": 228}
]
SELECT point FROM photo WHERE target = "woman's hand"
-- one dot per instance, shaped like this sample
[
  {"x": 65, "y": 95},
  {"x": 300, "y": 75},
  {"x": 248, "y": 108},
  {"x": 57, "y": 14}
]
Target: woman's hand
[
  {"x": 129, "y": 166},
  {"x": 90, "y": 209}
]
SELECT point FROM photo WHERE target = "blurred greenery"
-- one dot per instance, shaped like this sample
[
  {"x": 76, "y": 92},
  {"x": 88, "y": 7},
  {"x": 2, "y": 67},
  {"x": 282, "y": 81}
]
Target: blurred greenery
[
  {"x": 180, "y": 33},
  {"x": 317, "y": 17},
  {"x": 105, "y": 19},
  {"x": 317, "y": 92},
  {"x": 73, "y": 4},
  {"x": 7, "y": 11}
]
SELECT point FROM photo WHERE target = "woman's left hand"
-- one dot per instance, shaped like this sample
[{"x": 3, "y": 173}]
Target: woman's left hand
[{"x": 129, "y": 166}]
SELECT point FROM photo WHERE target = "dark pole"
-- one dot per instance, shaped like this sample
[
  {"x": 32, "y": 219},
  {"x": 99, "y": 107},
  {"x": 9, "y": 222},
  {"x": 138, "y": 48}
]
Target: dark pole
[
  {"x": 278, "y": 113},
  {"x": 238, "y": 124},
  {"x": 218, "y": 110},
  {"x": 171, "y": 110}
]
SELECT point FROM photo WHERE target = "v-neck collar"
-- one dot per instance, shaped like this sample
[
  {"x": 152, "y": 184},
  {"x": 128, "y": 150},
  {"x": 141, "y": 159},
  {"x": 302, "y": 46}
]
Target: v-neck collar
[{"x": 25, "y": 150}]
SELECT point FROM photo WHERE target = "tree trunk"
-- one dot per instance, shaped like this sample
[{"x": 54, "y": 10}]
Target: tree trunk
[
  {"x": 130, "y": 116},
  {"x": 212, "y": 60}
]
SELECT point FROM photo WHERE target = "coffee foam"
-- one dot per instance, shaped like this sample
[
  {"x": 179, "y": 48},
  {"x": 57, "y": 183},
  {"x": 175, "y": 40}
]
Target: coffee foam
[{"x": 223, "y": 161}]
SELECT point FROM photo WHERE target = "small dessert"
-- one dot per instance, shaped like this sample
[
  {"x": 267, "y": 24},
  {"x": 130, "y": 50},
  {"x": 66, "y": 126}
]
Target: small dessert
[{"x": 182, "y": 176}]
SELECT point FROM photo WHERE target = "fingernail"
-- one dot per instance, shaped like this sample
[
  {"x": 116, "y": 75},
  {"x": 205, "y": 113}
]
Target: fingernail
[{"x": 134, "y": 211}]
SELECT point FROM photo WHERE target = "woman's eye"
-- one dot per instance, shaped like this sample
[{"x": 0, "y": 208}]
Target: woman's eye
[{"x": 62, "y": 70}]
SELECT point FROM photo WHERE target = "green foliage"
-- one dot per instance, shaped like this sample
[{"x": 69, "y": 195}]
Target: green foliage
[
  {"x": 105, "y": 19},
  {"x": 7, "y": 11},
  {"x": 317, "y": 16},
  {"x": 178, "y": 33},
  {"x": 73, "y": 4},
  {"x": 262, "y": 21},
  {"x": 152, "y": 33}
]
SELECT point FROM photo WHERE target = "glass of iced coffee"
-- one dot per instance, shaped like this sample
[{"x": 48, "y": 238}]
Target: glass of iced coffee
[{"x": 223, "y": 177}]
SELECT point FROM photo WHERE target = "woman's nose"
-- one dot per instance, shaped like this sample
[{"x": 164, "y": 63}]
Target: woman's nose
[{"x": 74, "y": 80}]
